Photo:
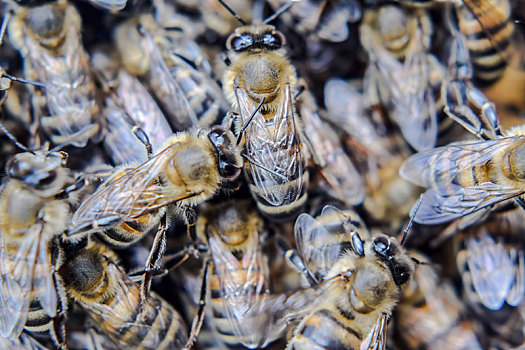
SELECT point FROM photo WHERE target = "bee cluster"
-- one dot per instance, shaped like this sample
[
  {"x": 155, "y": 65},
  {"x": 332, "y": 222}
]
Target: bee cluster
[{"x": 299, "y": 174}]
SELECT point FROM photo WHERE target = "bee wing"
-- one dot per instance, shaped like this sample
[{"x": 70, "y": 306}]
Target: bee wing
[
  {"x": 172, "y": 94},
  {"x": 414, "y": 106},
  {"x": 517, "y": 290},
  {"x": 318, "y": 247},
  {"x": 376, "y": 339},
  {"x": 43, "y": 281},
  {"x": 274, "y": 144},
  {"x": 439, "y": 168},
  {"x": 16, "y": 279},
  {"x": 127, "y": 196},
  {"x": 110, "y": 5},
  {"x": 491, "y": 270},
  {"x": 242, "y": 283}
]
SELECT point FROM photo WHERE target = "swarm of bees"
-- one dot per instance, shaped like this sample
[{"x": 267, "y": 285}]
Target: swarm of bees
[{"x": 281, "y": 174}]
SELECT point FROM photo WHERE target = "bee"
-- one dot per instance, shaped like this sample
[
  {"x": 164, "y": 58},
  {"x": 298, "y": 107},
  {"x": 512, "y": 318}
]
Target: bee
[
  {"x": 462, "y": 100},
  {"x": 185, "y": 172},
  {"x": 175, "y": 69},
  {"x": 94, "y": 281},
  {"x": 336, "y": 168},
  {"x": 402, "y": 75},
  {"x": 488, "y": 30},
  {"x": 53, "y": 53},
  {"x": 431, "y": 316},
  {"x": 388, "y": 197},
  {"x": 128, "y": 106},
  {"x": 355, "y": 284},
  {"x": 469, "y": 176},
  {"x": 234, "y": 234},
  {"x": 260, "y": 83},
  {"x": 35, "y": 208}
]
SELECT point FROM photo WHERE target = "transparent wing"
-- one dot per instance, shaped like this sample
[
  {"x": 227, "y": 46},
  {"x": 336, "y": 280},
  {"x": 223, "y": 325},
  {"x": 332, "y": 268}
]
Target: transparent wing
[
  {"x": 16, "y": 279},
  {"x": 128, "y": 194},
  {"x": 517, "y": 290},
  {"x": 440, "y": 170},
  {"x": 318, "y": 247},
  {"x": 274, "y": 144},
  {"x": 110, "y": 5},
  {"x": 491, "y": 269},
  {"x": 43, "y": 279},
  {"x": 376, "y": 340},
  {"x": 167, "y": 88},
  {"x": 414, "y": 105},
  {"x": 242, "y": 284}
]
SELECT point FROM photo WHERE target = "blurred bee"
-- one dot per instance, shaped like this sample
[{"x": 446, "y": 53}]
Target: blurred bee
[
  {"x": 429, "y": 315},
  {"x": 34, "y": 211},
  {"x": 327, "y": 20},
  {"x": 93, "y": 279},
  {"x": 336, "y": 168},
  {"x": 260, "y": 84},
  {"x": 234, "y": 234},
  {"x": 402, "y": 75},
  {"x": 468, "y": 176},
  {"x": 462, "y": 100},
  {"x": 356, "y": 284},
  {"x": 48, "y": 38},
  {"x": 378, "y": 149},
  {"x": 488, "y": 30},
  {"x": 175, "y": 69},
  {"x": 185, "y": 172},
  {"x": 128, "y": 106}
]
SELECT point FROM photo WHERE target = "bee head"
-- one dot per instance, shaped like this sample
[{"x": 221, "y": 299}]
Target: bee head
[
  {"x": 41, "y": 171},
  {"x": 229, "y": 159},
  {"x": 250, "y": 38},
  {"x": 46, "y": 20},
  {"x": 392, "y": 254}
]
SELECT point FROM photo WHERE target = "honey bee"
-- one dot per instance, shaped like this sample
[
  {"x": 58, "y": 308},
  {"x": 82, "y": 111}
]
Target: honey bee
[
  {"x": 343, "y": 179},
  {"x": 128, "y": 106},
  {"x": 185, "y": 172},
  {"x": 175, "y": 69},
  {"x": 488, "y": 30},
  {"x": 233, "y": 232},
  {"x": 34, "y": 211},
  {"x": 53, "y": 53},
  {"x": 260, "y": 84},
  {"x": 462, "y": 100},
  {"x": 355, "y": 284},
  {"x": 468, "y": 176},
  {"x": 430, "y": 315},
  {"x": 94, "y": 281},
  {"x": 402, "y": 75}
]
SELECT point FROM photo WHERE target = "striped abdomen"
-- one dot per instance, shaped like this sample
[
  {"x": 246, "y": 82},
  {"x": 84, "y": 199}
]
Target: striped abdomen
[
  {"x": 328, "y": 329},
  {"x": 158, "y": 327},
  {"x": 487, "y": 27}
]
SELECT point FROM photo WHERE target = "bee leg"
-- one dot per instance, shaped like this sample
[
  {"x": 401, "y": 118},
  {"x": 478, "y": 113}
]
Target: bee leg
[
  {"x": 57, "y": 330},
  {"x": 141, "y": 135},
  {"x": 156, "y": 253},
  {"x": 199, "y": 316}
]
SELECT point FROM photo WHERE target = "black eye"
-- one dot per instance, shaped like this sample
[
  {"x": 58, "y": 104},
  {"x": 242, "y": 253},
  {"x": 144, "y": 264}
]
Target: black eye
[
  {"x": 273, "y": 41},
  {"x": 381, "y": 245},
  {"x": 357, "y": 243},
  {"x": 240, "y": 43},
  {"x": 227, "y": 162}
]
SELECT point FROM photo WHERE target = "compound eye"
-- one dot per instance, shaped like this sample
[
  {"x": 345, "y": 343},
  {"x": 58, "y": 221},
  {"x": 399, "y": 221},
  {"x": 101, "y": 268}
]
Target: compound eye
[
  {"x": 47, "y": 179},
  {"x": 357, "y": 243},
  {"x": 381, "y": 245},
  {"x": 239, "y": 43},
  {"x": 273, "y": 40}
]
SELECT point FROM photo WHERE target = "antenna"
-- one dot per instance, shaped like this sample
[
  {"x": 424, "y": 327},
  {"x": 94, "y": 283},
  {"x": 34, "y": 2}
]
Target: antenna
[
  {"x": 14, "y": 140},
  {"x": 412, "y": 216},
  {"x": 280, "y": 11},
  {"x": 21, "y": 80},
  {"x": 233, "y": 13}
]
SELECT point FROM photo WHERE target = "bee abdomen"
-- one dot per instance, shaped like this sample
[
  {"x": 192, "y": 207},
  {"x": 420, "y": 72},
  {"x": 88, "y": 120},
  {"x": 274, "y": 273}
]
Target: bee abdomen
[
  {"x": 323, "y": 330},
  {"x": 129, "y": 232}
]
